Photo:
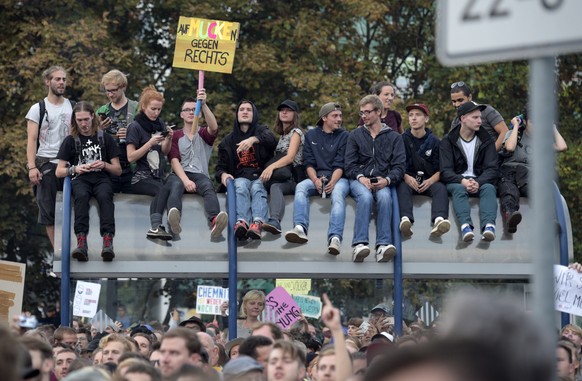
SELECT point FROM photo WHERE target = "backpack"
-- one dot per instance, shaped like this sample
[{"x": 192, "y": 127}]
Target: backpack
[{"x": 42, "y": 112}]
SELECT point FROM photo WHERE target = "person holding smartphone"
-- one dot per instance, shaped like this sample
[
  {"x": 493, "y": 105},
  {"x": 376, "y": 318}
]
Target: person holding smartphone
[{"x": 375, "y": 159}]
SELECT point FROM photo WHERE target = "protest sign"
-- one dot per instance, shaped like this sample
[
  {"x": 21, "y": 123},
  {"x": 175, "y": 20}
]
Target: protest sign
[
  {"x": 567, "y": 290},
  {"x": 86, "y": 299},
  {"x": 280, "y": 308},
  {"x": 11, "y": 289},
  {"x": 205, "y": 44},
  {"x": 295, "y": 286},
  {"x": 209, "y": 299},
  {"x": 310, "y": 305}
]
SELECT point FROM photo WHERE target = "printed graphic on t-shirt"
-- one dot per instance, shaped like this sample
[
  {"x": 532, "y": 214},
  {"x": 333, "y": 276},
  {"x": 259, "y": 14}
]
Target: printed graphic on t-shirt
[
  {"x": 90, "y": 152},
  {"x": 247, "y": 159}
]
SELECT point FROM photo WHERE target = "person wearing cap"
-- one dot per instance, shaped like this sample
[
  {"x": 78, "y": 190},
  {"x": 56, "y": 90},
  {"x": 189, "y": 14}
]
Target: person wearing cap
[
  {"x": 371, "y": 171},
  {"x": 289, "y": 152},
  {"x": 194, "y": 323},
  {"x": 387, "y": 93},
  {"x": 242, "y": 157},
  {"x": 476, "y": 177},
  {"x": 422, "y": 174},
  {"x": 286, "y": 362},
  {"x": 323, "y": 157},
  {"x": 491, "y": 119},
  {"x": 243, "y": 368}
]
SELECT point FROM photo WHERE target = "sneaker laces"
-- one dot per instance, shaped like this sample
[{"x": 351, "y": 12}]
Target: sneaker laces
[
  {"x": 107, "y": 240},
  {"x": 81, "y": 240}
]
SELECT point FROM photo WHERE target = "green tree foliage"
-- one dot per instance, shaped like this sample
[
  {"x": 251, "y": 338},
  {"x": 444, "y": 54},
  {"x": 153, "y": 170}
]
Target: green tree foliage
[{"x": 312, "y": 51}]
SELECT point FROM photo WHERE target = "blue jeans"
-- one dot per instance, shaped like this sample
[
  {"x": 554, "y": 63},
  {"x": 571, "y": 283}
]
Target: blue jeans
[
  {"x": 251, "y": 200},
  {"x": 306, "y": 189},
  {"x": 487, "y": 204},
  {"x": 364, "y": 202}
]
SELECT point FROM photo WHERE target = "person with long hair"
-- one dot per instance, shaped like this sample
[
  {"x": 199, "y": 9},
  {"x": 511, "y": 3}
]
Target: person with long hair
[
  {"x": 147, "y": 141},
  {"x": 251, "y": 309},
  {"x": 90, "y": 157},
  {"x": 387, "y": 92},
  {"x": 289, "y": 152}
]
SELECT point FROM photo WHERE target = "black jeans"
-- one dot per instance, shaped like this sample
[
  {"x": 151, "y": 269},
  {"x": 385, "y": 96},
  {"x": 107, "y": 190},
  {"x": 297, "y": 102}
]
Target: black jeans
[
  {"x": 98, "y": 186},
  {"x": 276, "y": 199},
  {"x": 440, "y": 200},
  {"x": 513, "y": 184}
]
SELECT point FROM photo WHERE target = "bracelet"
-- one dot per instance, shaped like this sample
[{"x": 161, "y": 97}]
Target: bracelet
[
  {"x": 72, "y": 170},
  {"x": 31, "y": 168}
]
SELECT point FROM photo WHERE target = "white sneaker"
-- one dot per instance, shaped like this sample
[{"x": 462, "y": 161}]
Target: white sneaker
[
  {"x": 405, "y": 227},
  {"x": 361, "y": 251},
  {"x": 385, "y": 253},
  {"x": 334, "y": 246},
  {"x": 297, "y": 235},
  {"x": 440, "y": 227},
  {"x": 174, "y": 217}
]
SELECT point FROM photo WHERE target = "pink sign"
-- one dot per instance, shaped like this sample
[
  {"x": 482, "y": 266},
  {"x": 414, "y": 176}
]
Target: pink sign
[{"x": 281, "y": 308}]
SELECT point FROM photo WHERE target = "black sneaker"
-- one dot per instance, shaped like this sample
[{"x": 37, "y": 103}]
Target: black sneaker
[
  {"x": 80, "y": 253},
  {"x": 272, "y": 226},
  {"x": 107, "y": 252},
  {"x": 240, "y": 230},
  {"x": 159, "y": 233},
  {"x": 513, "y": 220}
]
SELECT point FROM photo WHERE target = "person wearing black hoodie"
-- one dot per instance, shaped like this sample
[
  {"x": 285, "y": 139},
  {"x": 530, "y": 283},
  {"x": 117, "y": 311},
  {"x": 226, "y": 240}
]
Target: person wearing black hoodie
[{"x": 242, "y": 156}]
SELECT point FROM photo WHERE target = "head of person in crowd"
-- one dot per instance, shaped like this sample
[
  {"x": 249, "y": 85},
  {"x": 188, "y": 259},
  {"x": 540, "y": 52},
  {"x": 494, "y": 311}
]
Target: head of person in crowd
[
  {"x": 330, "y": 117},
  {"x": 83, "y": 338},
  {"x": 380, "y": 311},
  {"x": 287, "y": 117},
  {"x": 573, "y": 333},
  {"x": 37, "y": 334},
  {"x": 359, "y": 365},
  {"x": 66, "y": 335},
  {"x": 125, "y": 363},
  {"x": 194, "y": 323},
  {"x": 233, "y": 346},
  {"x": 208, "y": 344},
  {"x": 257, "y": 347},
  {"x": 48, "y": 330},
  {"x": 55, "y": 79},
  {"x": 84, "y": 123},
  {"x": 89, "y": 374},
  {"x": 354, "y": 325},
  {"x": 470, "y": 116},
  {"x": 156, "y": 356},
  {"x": 325, "y": 370},
  {"x": 114, "y": 84},
  {"x": 461, "y": 93},
  {"x": 178, "y": 347},
  {"x": 26, "y": 370},
  {"x": 140, "y": 371},
  {"x": 113, "y": 346},
  {"x": 63, "y": 360},
  {"x": 57, "y": 347},
  {"x": 417, "y": 116},
  {"x": 79, "y": 363},
  {"x": 10, "y": 359},
  {"x": 247, "y": 117},
  {"x": 253, "y": 304},
  {"x": 41, "y": 354},
  {"x": 97, "y": 356},
  {"x": 567, "y": 360},
  {"x": 268, "y": 329},
  {"x": 406, "y": 340},
  {"x": 286, "y": 362},
  {"x": 144, "y": 342},
  {"x": 75, "y": 324},
  {"x": 387, "y": 93},
  {"x": 352, "y": 344},
  {"x": 188, "y": 372},
  {"x": 243, "y": 368},
  {"x": 151, "y": 102},
  {"x": 371, "y": 109}
]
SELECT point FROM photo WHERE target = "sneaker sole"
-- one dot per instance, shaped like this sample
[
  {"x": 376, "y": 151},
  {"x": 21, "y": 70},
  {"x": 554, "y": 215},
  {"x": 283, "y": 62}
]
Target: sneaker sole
[
  {"x": 271, "y": 229},
  {"x": 333, "y": 250},
  {"x": 253, "y": 234},
  {"x": 107, "y": 256},
  {"x": 488, "y": 236},
  {"x": 514, "y": 220},
  {"x": 469, "y": 237},
  {"x": 361, "y": 255},
  {"x": 295, "y": 238},
  {"x": 442, "y": 228},
  {"x": 174, "y": 217},
  {"x": 406, "y": 229},
  {"x": 387, "y": 255},
  {"x": 162, "y": 237},
  {"x": 79, "y": 256},
  {"x": 219, "y": 225}
]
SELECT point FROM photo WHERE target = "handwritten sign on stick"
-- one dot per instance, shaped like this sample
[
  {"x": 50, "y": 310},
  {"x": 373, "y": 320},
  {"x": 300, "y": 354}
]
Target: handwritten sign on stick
[
  {"x": 567, "y": 290},
  {"x": 209, "y": 299},
  {"x": 280, "y": 308},
  {"x": 310, "y": 305}
]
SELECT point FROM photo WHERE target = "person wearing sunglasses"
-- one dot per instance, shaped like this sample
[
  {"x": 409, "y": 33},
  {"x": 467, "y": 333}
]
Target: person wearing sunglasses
[{"x": 491, "y": 119}]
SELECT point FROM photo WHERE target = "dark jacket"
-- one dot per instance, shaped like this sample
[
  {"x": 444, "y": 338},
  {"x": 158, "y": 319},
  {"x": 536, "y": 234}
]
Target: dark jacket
[
  {"x": 228, "y": 160},
  {"x": 454, "y": 162},
  {"x": 324, "y": 152},
  {"x": 427, "y": 151},
  {"x": 383, "y": 156}
]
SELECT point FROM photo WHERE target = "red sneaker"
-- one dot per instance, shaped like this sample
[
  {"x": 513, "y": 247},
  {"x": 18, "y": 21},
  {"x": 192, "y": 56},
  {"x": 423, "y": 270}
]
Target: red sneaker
[
  {"x": 254, "y": 231},
  {"x": 240, "y": 229}
]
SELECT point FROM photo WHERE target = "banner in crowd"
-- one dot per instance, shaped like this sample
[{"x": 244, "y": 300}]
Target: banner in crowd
[
  {"x": 207, "y": 45},
  {"x": 295, "y": 286},
  {"x": 310, "y": 306},
  {"x": 86, "y": 299},
  {"x": 11, "y": 289},
  {"x": 281, "y": 308},
  {"x": 209, "y": 299},
  {"x": 567, "y": 290}
]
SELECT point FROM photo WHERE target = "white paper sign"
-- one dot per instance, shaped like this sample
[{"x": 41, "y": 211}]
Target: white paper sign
[
  {"x": 86, "y": 299},
  {"x": 209, "y": 299},
  {"x": 567, "y": 290}
]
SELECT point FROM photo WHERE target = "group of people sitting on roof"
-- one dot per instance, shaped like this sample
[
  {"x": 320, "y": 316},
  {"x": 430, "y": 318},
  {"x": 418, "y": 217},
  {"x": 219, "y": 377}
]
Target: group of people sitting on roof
[{"x": 120, "y": 147}]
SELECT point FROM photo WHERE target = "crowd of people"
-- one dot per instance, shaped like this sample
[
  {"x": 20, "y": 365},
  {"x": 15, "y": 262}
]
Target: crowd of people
[{"x": 479, "y": 337}]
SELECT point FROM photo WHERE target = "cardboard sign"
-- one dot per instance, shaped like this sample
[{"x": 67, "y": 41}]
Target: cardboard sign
[
  {"x": 295, "y": 286},
  {"x": 280, "y": 308},
  {"x": 205, "y": 44},
  {"x": 86, "y": 299},
  {"x": 567, "y": 290},
  {"x": 209, "y": 299},
  {"x": 310, "y": 305},
  {"x": 11, "y": 289}
]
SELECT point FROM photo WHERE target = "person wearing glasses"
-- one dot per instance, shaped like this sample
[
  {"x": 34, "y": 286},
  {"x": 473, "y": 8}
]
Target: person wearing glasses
[
  {"x": 387, "y": 93},
  {"x": 115, "y": 116},
  {"x": 189, "y": 157},
  {"x": 375, "y": 159},
  {"x": 491, "y": 119},
  {"x": 323, "y": 157}
]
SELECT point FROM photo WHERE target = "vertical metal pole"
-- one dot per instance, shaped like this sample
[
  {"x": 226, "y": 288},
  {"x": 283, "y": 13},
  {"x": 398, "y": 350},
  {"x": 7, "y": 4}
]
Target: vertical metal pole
[
  {"x": 398, "y": 289},
  {"x": 563, "y": 238},
  {"x": 232, "y": 259},
  {"x": 65, "y": 254},
  {"x": 542, "y": 113}
]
